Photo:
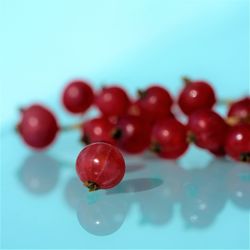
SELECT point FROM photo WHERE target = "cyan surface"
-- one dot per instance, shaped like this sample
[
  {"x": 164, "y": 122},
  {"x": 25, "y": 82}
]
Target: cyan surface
[{"x": 198, "y": 202}]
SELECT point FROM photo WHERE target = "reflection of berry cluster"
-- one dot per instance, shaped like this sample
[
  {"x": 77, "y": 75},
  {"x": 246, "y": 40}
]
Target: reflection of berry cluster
[
  {"x": 148, "y": 122},
  {"x": 158, "y": 189}
]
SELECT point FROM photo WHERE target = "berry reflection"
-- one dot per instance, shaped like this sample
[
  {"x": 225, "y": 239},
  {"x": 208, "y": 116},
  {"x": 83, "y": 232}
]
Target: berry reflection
[
  {"x": 158, "y": 187},
  {"x": 39, "y": 173},
  {"x": 102, "y": 215}
]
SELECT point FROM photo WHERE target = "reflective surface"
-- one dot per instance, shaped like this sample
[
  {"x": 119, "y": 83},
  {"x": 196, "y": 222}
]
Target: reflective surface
[
  {"x": 197, "y": 202},
  {"x": 158, "y": 204}
]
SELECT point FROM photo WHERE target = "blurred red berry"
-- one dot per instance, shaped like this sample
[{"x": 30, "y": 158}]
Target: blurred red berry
[
  {"x": 240, "y": 110},
  {"x": 169, "y": 138},
  {"x": 207, "y": 129},
  {"x": 133, "y": 135},
  {"x": 100, "y": 166},
  {"x": 77, "y": 96},
  {"x": 98, "y": 130},
  {"x": 112, "y": 101},
  {"x": 155, "y": 102},
  {"x": 196, "y": 95},
  {"x": 237, "y": 143},
  {"x": 38, "y": 126}
]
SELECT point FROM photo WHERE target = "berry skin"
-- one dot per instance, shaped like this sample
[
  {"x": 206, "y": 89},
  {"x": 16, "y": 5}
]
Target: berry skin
[
  {"x": 100, "y": 166},
  {"x": 207, "y": 130},
  {"x": 77, "y": 96},
  {"x": 196, "y": 95},
  {"x": 133, "y": 135},
  {"x": 156, "y": 102},
  {"x": 240, "y": 110},
  {"x": 237, "y": 143},
  {"x": 218, "y": 152},
  {"x": 98, "y": 130},
  {"x": 112, "y": 101},
  {"x": 169, "y": 138},
  {"x": 38, "y": 126}
]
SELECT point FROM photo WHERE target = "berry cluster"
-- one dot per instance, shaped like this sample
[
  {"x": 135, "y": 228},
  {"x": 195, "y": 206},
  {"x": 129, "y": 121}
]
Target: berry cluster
[{"x": 148, "y": 122}]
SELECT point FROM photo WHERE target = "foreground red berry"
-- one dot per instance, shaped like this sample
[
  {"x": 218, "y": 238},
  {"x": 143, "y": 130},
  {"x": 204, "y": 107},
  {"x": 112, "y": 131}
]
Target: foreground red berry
[
  {"x": 98, "y": 130},
  {"x": 237, "y": 143},
  {"x": 156, "y": 102},
  {"x": 207, "y": 130},
  {"x": 77, "y": 96},
  {"x": 239, "y": 111},
  {"x": 133, "y": 135},
  {"x": 196, "y": 95},
  {"x": 38, "y": 126},
  {"x": 169, "y": 138},
  {"x": 112, "y": 101},
  {"x": 100, "y": 166}
]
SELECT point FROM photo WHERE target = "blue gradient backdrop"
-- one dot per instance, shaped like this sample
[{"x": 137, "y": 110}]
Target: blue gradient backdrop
[{"x": 45, "y": 43}]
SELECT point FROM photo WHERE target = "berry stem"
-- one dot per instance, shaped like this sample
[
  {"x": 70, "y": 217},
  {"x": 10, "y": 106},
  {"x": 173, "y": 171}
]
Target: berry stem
[
  {"x": 186, "y": 81},
  {"x": 71, "y": 127},
  {"x": 141, "y": 93},
  {"x": 92, "y": 186},
  {"x": 225, "y": 102},
  {"x": 233, "y": 120}
]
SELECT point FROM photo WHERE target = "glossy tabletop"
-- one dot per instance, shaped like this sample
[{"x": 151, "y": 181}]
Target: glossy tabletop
[{"x": 197, "y": 202}]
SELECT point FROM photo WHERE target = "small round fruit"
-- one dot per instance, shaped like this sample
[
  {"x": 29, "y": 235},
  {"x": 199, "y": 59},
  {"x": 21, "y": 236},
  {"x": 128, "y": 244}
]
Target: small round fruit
[
  {"x": 112, "y": 101},
  {"x": 38, "y": 126},
  {"x": 196, "y": 95},
  {"x": 77, "y": 96},
  {"x": 240, "y": 111},
  {"x": 156, "y": 102},
  {"x": 133, "y": 134},
  {"x": 237, "y": 142},
  {"x": 169, "y": 138},
  {"x": 98, "y": 130},
  {"x": 207, "y": 129},
  {"x": 100, "y": 166}
]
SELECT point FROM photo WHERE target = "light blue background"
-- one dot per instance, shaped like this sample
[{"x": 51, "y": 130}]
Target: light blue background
[{"x": 43, "y": 44}]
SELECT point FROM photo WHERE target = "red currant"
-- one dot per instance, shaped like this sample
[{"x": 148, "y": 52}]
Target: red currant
[
  {"x": 98, "y": 130},
  {"x": 218, "y": 152},
  {"x": 169, "y": 138},
  {"x": 237, "y": 143},
  {"x": 77, "y": 96},
  {"x": 207, "y": 129},
  {"x": 135, "y": 109},
  {"x": 100, "y": 166},
  {"x": 196, "y": 95},
  {"x": 156, "y": 102},
  {"x": 240, "y": 110},
  {"x": 112, "y": 101},
  {"x": 38, "y": 126},
  {"x": 133, "y": 135}
]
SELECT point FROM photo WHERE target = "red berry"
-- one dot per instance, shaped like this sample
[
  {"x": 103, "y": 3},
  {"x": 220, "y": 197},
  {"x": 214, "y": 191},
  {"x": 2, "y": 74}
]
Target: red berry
[
  {"x": 98, "y": 130},
  {"x": 156, "y": 102},
  {"x": 240, "y": 110},
  {"x": 100, "y": 166},
  {"x": 135, "y": 109},
  {"x": 169, "y": 138},
  {"x": 207, "y": 129},
  {"x": 38, "y": 126},
  {"x": 196, "y": 95},
  {"x": 218, "y": 152},
  {"x": 77, "y": 96},
  {"x": 112, "y": 101},
  {"x": 133, "y": 135},
  {"x": 237, "y": 143}
]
